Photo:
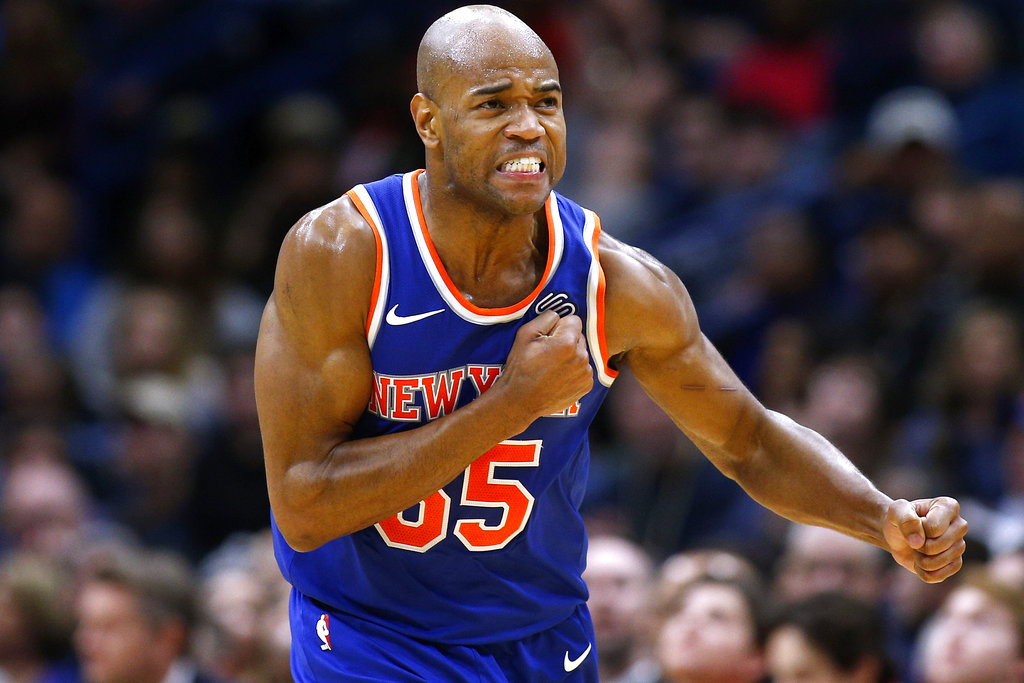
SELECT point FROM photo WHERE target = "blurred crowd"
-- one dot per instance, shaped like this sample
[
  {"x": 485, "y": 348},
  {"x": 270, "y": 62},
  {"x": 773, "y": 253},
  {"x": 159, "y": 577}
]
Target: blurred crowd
[{"x": 839, "y": 183}]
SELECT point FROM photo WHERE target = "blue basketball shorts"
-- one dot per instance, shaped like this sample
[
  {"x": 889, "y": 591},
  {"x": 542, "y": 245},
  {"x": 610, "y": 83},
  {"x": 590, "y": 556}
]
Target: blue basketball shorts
[{"x": 329, "y": 647}]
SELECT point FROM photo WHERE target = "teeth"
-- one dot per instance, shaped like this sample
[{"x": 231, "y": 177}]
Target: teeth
[{"x": 525, "y": 165}]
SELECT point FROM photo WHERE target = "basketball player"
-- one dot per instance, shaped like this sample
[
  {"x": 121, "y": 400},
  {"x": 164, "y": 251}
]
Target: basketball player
[{"x": 435, "y": 348}]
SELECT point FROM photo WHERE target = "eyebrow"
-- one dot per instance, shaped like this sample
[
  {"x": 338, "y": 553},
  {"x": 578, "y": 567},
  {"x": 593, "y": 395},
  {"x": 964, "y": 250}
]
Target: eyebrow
[{"x": 502, "y": 86}]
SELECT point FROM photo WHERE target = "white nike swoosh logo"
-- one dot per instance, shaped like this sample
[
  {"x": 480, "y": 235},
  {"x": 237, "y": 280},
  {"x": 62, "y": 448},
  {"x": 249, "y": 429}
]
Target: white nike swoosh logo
[
  {"x": 394, "y": 319},
  {"x": 572, "y": 664}
]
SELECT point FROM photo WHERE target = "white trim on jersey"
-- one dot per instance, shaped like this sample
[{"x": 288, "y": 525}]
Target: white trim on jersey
[
  {"x": 385, "y": 264},
  {"x": 594, "y": 319},
  {"x": 450, "y": 297}
]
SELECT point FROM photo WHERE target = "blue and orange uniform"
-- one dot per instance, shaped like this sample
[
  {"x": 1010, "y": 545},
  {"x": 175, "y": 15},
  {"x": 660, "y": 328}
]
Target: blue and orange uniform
[{"x": 481, "y": 580}]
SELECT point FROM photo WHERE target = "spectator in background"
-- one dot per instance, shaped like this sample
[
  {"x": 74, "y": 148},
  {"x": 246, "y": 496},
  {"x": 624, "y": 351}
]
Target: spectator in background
[
  {"x": 817, "y": 560},
  {"x": 132, "y": 332},
  {"x": 977, "y": 636},
  {"x": 784, "y": 362},
  {"x": 908, "y": 149},
  {"x": 45, "y": 508},
  {"x": 38, "y": 78},
  {"x": 619, "y": 42},
  {"x": 240, "y": 622},
  {"x": 302, "y": 136},
  {"x": 159, "y": 341},
  {"x": 895, "y": 304},
  {"x": 689, "y": 566},
  {"x": 749, "y": 166},
  {"x": 844, "y": 404},
  {"x": 978, "y": 233},
  {"x": 958, "y": 51},
  {"x": 1008, "y": 568},
  {"x": 782, "y": 273},
  {"x": 40, "y": 249},
  {"x": 989, "y": 254},
  {"x": 35, "y": 623},
  {"x": 788, "y": 69},
  {"x": 135, "y": 613},
  {"x": 970, "y": 402},
  {"x": 828, "y": 637},
  {"x": 230, "y": 493},
  {"x": 615, "y": 177},
  {"x": 153, "y": 466},
  {"x": 913, "y": 129},
  {"x": 1001, "y": 525},
  {"x": 645, "y": 454},
  {"x": 908, "y": 608},
  {"x": 653, "y": 484},
  {"x": 690, "y": 167},
  {"x": 619, "y": 575},
  {"x": 166, "y": 287},
  {"x": 713, "y": 631}
]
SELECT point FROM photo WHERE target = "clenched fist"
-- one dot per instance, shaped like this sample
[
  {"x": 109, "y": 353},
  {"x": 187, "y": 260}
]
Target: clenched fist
[
  {"x": 927, "y": 536},
  {"x": 548, "y": 368}
]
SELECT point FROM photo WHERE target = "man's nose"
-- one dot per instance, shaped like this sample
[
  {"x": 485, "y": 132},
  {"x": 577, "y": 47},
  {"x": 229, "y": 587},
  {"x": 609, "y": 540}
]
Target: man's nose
[{"x": 525, "y": 123}]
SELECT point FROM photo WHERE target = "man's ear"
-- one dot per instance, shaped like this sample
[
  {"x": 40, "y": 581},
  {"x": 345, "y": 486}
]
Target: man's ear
[{"x": 425, "y": 117}]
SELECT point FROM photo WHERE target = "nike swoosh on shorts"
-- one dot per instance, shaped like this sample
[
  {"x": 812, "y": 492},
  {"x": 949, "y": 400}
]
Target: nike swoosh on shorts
[{"x": 572, "y": 664}]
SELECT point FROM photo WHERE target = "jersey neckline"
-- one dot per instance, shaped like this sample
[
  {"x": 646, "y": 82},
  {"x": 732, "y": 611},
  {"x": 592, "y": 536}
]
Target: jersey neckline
[{"x": 443, "y": 282}]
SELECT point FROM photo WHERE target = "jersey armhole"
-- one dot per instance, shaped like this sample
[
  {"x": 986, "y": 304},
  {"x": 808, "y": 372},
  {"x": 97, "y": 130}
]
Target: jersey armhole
[
  {"x": 596, "y": 340},
  {"x": 364, "y": 204}
]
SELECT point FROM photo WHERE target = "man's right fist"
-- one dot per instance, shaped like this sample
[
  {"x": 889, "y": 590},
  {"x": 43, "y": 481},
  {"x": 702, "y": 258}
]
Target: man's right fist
[{"x": 548, "y": 368}]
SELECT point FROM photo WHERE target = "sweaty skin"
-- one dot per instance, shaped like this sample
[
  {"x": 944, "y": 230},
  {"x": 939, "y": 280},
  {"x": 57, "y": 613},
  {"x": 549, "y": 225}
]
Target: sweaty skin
[{"x": 483, "y": 102}]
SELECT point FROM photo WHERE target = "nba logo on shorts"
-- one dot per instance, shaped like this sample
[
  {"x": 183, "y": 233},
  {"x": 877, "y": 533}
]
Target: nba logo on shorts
[{"x": 323, "y": 630}]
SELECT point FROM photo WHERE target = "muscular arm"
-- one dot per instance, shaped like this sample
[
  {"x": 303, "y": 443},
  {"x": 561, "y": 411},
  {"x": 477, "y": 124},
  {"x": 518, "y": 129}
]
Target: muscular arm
[
  {"x": 652, "y": 329},
  {"x": 314, "y": 378}
]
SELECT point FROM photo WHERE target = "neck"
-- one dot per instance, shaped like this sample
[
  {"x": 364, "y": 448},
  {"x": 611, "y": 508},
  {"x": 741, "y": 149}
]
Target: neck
[{"x": 495, "y": 259}]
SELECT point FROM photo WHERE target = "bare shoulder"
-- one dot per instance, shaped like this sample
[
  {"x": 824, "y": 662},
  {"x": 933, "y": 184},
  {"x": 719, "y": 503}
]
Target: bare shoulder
[
  {"x": 325, "y": 272},
  {"x": 647, "y": 307}
]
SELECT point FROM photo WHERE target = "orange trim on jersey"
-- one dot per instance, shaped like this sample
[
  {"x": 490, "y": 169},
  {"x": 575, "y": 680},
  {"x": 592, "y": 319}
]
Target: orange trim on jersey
[
  {"x": 601, "y": 341},
  {"x": 473, "y": 308},
  {"x": 377, "y": 276}
]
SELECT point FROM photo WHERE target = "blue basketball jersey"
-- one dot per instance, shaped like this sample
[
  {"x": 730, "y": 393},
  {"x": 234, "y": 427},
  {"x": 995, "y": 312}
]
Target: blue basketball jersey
[{"x": 498, "y": 553}]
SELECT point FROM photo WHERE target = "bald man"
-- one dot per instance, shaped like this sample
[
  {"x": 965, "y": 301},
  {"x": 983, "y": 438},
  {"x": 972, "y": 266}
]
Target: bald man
[{"x": 435, "y": 348}]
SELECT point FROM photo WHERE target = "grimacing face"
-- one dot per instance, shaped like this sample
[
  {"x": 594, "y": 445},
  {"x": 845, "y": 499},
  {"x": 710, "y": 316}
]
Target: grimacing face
[{"x": 500, "y": 127}]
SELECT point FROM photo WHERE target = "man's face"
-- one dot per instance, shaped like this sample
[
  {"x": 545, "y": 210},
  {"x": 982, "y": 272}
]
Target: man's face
[
  {"x": 618, "y": 579},
  {"x": 113, "y": 638},
  {"x": 820, "y": 559},
  {"x": 973, "y": 640},
  {"x": 711, "y": 638},
  {"x": 502, "y": 131}
]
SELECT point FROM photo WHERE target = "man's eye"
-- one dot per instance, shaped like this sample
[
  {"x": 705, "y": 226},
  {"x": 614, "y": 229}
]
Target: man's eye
[
  {"x": 491, "y": 104},
  {"x": 548, "y": 102}
]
